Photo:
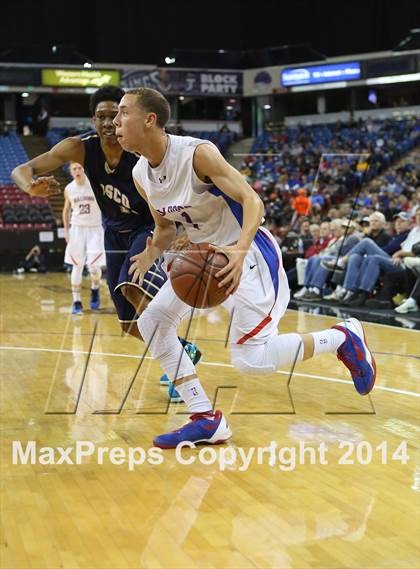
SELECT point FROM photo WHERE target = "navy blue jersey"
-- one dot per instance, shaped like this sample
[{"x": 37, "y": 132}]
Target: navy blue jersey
[{"x": 121, "y": 205}]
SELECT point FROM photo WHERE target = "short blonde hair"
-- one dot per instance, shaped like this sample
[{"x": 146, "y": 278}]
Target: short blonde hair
[{"x": 152, "y": 101}]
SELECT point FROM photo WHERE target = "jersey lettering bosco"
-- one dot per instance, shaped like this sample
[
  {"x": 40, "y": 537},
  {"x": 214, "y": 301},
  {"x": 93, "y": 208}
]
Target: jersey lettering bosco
[{"x": 121, "y": 205}]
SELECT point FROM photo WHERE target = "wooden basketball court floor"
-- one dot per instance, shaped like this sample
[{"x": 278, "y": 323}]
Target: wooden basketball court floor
[{"x": 66, "y": 379}]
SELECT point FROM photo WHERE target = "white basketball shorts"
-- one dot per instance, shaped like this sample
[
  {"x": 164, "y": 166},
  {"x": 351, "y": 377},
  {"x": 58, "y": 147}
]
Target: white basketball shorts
[{"x": 85, "y": 246}]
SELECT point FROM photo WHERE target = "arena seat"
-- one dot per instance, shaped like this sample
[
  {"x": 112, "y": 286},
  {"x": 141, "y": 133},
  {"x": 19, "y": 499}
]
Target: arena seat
[{"x": 12, "y": 153}]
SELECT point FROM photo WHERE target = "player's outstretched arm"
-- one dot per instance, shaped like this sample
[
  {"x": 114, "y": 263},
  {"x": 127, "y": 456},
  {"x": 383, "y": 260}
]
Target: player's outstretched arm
[
  {"x": 70, "y": 149},
  {"x": 210, "y": 164}
]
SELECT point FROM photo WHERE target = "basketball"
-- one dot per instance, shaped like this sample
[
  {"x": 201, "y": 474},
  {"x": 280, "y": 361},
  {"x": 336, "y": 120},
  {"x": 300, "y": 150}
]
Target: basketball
[{"x": 193, "y": 276}]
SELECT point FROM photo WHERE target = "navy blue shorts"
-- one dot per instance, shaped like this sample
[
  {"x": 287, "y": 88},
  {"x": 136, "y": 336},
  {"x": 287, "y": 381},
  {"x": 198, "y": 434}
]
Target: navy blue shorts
[{"x": 119, "y": 247}]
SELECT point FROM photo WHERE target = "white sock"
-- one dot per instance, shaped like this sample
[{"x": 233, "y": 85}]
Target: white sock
[
  {"x": 76, "y": 294},
  {"x": 76, "y": 281},
  {"x": 195, "y": 397},
  {"x": 327, "y": 341}
]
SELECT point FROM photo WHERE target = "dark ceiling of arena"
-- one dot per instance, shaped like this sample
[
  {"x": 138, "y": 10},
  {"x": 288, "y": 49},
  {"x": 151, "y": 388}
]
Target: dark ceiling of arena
[{"x": 215, "y": 33}]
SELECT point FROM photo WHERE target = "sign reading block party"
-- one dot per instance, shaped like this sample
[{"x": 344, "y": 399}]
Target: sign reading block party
[
  {"x": 194, "y": 82},
  {"x": 320, "y": 74}
]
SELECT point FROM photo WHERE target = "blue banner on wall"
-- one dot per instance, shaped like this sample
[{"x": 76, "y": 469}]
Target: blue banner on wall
[{"x": 320, "y": 74}]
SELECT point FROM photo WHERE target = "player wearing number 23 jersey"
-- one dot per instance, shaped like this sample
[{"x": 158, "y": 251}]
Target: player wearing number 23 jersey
[{"x": 86, "y": 236}]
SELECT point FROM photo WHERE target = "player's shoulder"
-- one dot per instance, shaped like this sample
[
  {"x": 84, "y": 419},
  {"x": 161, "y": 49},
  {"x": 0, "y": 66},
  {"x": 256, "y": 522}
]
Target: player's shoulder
[
  {"x": 68, "y": 149},
  {"x": 70, "y": 187},
  {"x": 89, "y": 137},
  {"x": 186, "y": 141}
]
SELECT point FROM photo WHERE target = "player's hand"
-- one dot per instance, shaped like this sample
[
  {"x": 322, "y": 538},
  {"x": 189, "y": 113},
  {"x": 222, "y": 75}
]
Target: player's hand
[
  {"x": 66, "y": 236},
  {"x": 141, "y": 263},
  {"x": 233, "y": 271},
  {"x": 44, "y": 187}
]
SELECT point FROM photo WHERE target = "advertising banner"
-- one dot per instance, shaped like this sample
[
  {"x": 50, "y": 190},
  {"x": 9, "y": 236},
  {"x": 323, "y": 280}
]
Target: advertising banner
[
  {"x": 79, "y": 77},
  {"x": 320, "y": 74},
  {"x": 185, "y": 82}
]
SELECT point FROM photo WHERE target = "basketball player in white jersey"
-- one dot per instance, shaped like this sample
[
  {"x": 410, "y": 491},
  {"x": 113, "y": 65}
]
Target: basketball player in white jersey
[
  {"x": 84, "y": 236},
  {"x": 187, "y": 180}
]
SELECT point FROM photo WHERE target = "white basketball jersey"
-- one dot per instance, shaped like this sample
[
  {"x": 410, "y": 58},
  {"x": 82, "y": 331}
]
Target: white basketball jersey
[
  {"x": 84, "y": 208},
  {"x": 175, "y": 191}
]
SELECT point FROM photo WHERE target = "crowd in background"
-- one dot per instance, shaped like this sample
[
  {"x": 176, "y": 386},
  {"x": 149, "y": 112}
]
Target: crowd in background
[{"x": 343, "y": 203}]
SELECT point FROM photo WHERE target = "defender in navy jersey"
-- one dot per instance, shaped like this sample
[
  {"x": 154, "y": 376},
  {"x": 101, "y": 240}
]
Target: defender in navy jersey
[{"x": 126, "y": 216}]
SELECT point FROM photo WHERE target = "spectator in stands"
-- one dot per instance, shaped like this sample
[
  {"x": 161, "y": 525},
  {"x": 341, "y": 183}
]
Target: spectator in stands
[
  {"x": 378, "y": 263},
  {"x": 392, "y": 209},
  {"x": 301, "y": 204},
  {"x": 396, "y": 283},
  {"x": 320, "y": 240},
  {"x": 374, "y": 232},
  {"x": 305, "y": 231},
  {"x": 317, "y": 200},
  {"x": 315, "y": 232},
  {"x": 296, "y": 244},
  {"x": 412, "y": 303},
  {"x": 34, "y": 262},
  {"x": 376, "y": 229},
  {"x": 316, "y": 275},
  {"x": 358, "y": 280},
  {"x": 415, "y": 203},
  {"x": 333, "y": 214}
]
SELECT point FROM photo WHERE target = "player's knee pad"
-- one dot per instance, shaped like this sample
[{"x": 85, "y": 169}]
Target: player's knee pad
[
  {"x": 159, "y": 334},
  {"x": 251, "y": 359},
  {"x": 161, "y": 314},
  {"x": 146, "y": 326},
  {"x": 95, "y": 272},
  {"x": 76, "y": 275},
  {"x": 279, "y": 351},
  {"x": 154, "y": 323}
]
